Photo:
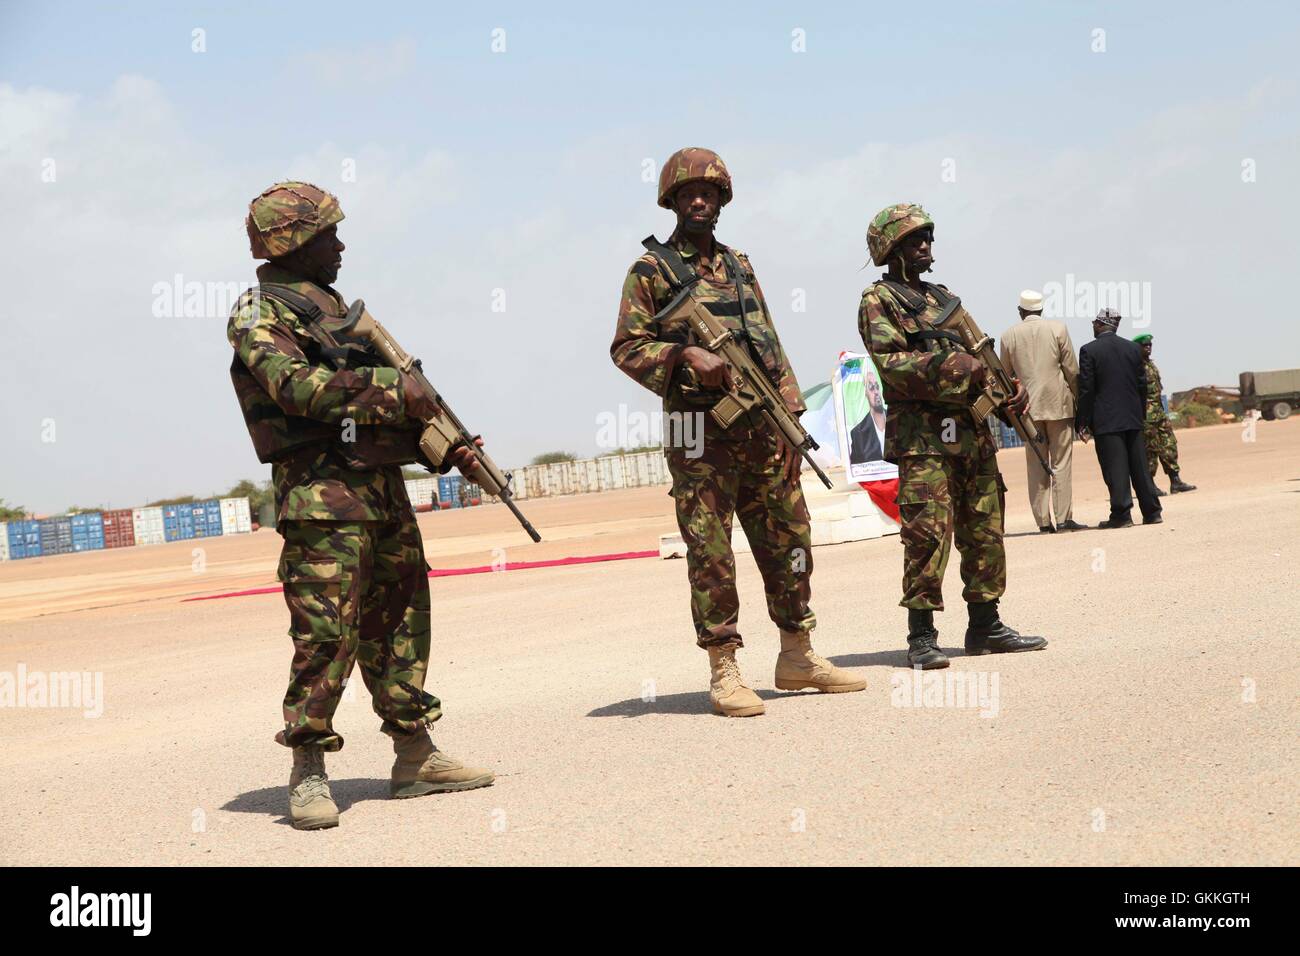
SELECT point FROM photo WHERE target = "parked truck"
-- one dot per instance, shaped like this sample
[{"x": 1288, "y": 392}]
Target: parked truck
[{"x": 1276, "y": 394}]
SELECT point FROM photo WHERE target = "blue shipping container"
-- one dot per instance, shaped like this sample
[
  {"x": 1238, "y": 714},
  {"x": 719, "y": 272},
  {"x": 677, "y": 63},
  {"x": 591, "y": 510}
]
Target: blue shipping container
[
  {"x": 198, "y": 516},
  {"x": 178, "y": 523},
  {"x": 24, "y": 539},
  {"x": 88, "y": 531},
  {"x": 213, "y": 513}
]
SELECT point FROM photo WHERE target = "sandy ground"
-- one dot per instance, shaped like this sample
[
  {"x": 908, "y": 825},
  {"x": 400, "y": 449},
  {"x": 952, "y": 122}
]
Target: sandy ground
[{"x": 1159, "y": 727}]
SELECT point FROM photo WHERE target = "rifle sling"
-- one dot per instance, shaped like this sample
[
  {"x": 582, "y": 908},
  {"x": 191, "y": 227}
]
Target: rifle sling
[{"x": 681, "y": 276}]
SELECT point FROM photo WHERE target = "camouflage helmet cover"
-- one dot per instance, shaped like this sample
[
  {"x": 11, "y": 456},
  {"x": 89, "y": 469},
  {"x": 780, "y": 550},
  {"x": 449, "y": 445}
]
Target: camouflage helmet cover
[
  {"x": 689, "y": 165},
  {"x": 288, "y": 215},
  {"x": 893, "y": 223}
]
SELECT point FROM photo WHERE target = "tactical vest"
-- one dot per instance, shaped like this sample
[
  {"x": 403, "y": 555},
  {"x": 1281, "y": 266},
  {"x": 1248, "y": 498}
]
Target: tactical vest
[
  {"x": 276, "y": 434},
  {"x": 925, "y": 337},
  {"x": 680, "y": 275}
]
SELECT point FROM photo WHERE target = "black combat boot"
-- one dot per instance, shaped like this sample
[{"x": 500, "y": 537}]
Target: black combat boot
[
  {"x": 1159, "y": 493},
  {"x": 1176, "y": 484},
  {"x": 923, "y": 641},
  {"x": 988, "y": 635}
]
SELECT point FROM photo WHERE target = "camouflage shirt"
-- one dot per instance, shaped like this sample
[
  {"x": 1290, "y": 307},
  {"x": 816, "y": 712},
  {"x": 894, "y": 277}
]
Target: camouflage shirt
[
  {"x": 649, "y": 352},
  {"x": 314, "y": 483},
  {"x": 925, "y": 392},
  {"x": 1155, "y": 410}
]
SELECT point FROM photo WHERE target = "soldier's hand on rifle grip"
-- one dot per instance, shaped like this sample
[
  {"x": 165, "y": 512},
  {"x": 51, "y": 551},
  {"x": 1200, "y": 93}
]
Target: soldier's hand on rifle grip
[
  {"x": 464, "y": 461},
  {"x": 791, "y": 464},
  {"x": 418, "y": 403},
  {"x": 709, "y": 369}
]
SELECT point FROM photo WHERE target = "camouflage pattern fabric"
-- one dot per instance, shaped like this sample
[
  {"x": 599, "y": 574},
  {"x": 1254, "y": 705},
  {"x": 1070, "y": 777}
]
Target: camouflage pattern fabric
[
  {"x": 926, "y": 393},
  {"x": 1162, "y": 446},
  {"x": 297, "y": 405},
  {"x": 892, "y": 224},
  {"x": 287, "y": 215},
  {"x": 689, "y": 165},
  {"x": 358, "y": 593},
  {"x": 738, "y": 470},
  {"x": 942, "y": 497},
  {"x": 649, "y": 352},
  {"x": 743, "y": 478}
]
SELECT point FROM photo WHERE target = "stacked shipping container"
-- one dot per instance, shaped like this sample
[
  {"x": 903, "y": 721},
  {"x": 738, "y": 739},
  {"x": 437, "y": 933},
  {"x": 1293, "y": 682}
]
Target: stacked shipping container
[{"x": 123, "y": 527}]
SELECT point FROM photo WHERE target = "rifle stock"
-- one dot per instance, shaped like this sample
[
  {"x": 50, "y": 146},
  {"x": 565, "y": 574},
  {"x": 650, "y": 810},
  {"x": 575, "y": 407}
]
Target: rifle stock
[
  {"x": 443, "y": 432},
  {"x": 747, "y": 386}
]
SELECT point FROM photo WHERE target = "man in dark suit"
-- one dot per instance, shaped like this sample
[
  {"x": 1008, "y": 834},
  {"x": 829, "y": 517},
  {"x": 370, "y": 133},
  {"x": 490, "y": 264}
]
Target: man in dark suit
[{"x": 1112, "y": 405}]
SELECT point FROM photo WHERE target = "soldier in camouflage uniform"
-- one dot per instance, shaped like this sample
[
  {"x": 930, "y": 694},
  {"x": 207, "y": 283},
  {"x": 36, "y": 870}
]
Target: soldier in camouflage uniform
[
  {"x": 747, "y": 470},
  {"x": 336, "y": 424},
  {"x": 1162, "y": 446},
  {"x": 948, "y": 479}
]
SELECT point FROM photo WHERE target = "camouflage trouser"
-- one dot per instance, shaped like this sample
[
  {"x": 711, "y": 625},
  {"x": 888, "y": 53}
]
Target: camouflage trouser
[
  {"x": 742, "y": 478},
  {"x": 939, "y": 497},
  {"x": 357, "y": 592},
  {"x": 1162, "y": 446}
]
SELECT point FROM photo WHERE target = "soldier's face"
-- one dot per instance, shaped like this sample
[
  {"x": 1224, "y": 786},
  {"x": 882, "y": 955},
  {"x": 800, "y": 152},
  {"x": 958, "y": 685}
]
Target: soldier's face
[
  {"x": 323, "y": 256},
  {"x": 1146, "y": 349},
  {"x": 914, "y": 250},
  {"x": 697, "y": 205}
]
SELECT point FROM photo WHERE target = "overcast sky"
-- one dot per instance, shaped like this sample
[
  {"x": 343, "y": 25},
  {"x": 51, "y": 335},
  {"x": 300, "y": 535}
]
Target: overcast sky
[{"x": 1153, "y": 145}]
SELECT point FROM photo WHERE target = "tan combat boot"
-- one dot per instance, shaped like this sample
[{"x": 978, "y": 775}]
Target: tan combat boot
[
  {"x": 727, "y": 689},
  {"x": 422, "y": 768},
  {"x": 799, "y": 666},
  {"x": 310, "y": 805}
]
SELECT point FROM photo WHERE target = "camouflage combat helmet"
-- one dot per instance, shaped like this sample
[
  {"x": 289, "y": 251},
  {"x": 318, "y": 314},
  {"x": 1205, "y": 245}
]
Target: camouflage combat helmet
[
  {"x": 287, "y": 216},
  {"x": 893, "y": 223},
  {"x": 691, "y": 165}
]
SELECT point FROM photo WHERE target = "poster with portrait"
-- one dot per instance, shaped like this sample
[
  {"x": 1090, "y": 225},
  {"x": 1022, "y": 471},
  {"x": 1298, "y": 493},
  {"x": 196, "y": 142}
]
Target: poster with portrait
[{"x": 860, "y": 410}]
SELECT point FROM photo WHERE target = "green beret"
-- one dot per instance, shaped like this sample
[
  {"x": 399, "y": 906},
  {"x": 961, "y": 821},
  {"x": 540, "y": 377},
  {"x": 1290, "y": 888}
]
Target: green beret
[{"x": 1142, "y": 339}]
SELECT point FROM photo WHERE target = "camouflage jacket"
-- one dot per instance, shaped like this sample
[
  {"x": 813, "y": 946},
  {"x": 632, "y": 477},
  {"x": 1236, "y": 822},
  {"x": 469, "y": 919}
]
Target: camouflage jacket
[
  {"x": 317, "y": 476},
  {"x": 1155, "y": 410},
  {"x": 649, "y": 351},
  {"x": 926, "y": 394}
]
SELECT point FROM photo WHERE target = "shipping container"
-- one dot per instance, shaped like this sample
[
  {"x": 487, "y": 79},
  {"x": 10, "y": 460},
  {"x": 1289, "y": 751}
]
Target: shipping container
[
  {"x": 87, "y": 531},
  {"x": 56, "y": 535},
  {"x": 236, "y": 517},
  {"x": 178, "y": 522},
  {"x": 213, "y": 508},
  {"x": 24, "y": 539},
  {"x": 119, "y": 528},
  {"x": 4, "y": 541},
  {"x": 420, "y": 492},
  {"x": 147, "y": 525}
]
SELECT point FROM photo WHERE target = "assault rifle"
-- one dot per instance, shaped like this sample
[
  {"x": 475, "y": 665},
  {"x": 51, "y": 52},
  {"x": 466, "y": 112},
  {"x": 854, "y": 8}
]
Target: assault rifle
[
  {"x": 443, "y": 432},
  {"x": 998, "y": 385},
  {"x": 745, "y": 382}
]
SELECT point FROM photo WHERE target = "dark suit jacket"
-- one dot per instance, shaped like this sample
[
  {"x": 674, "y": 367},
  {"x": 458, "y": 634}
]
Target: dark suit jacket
[
  {"x": 1112, "y": 385},
  {"x": 864, "y": 443}
]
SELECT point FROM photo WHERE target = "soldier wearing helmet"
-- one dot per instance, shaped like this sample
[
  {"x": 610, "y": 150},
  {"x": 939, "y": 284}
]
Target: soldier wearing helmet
[
  {"x": 948, "y": 479},
  {"x": 745, "y": 471},
  {"x": 336, "y": 425}
]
